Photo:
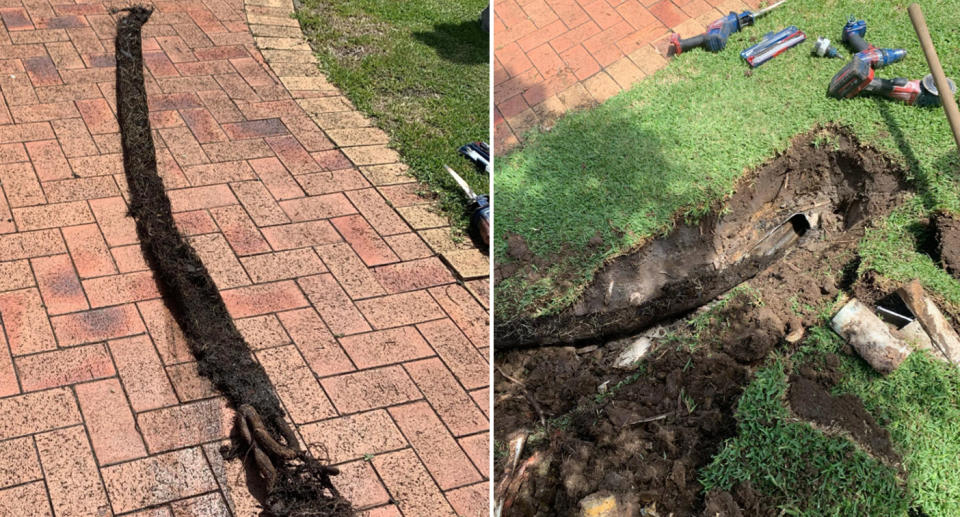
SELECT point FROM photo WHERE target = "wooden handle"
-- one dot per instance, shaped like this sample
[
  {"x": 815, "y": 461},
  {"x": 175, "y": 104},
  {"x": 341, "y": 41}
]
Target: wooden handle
[{"x": 946, "y": 94}]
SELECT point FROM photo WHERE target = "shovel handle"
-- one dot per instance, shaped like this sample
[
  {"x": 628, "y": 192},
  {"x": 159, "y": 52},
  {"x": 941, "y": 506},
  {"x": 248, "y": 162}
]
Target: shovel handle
[{"x": 943, "y": 88}]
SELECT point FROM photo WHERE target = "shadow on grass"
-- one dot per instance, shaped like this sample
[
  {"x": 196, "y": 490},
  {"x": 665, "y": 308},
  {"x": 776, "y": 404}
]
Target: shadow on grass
[
  {"x": 929, "y": 180},
  {"x": 465, "y": 42},
  {"x": 563, "y": 183}
]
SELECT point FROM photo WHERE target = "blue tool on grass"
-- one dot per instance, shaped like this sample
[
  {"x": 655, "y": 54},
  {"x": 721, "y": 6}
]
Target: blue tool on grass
[
  {"x": 853, "y": 34},
  {"x": 715, "y": 39},
  {"x": 772, "y": 45}
]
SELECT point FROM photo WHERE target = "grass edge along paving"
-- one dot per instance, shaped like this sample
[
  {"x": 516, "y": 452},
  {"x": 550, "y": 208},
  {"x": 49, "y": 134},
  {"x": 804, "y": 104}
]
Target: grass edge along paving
[
  {"x": 677, "y": 143},
  {"x": 420, "y": 68}
]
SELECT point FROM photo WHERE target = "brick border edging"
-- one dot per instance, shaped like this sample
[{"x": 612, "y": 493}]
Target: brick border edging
[{"x": 292, "y": 62}]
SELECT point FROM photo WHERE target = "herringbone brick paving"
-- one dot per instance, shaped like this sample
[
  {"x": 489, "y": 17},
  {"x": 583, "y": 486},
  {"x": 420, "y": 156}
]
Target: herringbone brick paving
[
  {"x": 553, "y": 56},
  {"x": 334, "y": 270}
]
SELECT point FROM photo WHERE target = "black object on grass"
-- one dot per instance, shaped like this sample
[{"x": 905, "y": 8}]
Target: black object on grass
[{"x": 297, "y": 485}]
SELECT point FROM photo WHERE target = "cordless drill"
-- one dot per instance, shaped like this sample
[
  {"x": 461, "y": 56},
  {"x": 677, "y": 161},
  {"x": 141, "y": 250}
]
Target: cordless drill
[
  {"x": 858, "y": 77},
  {"x": 853, "y": 33},
  {"x": 715, "y": 39}
]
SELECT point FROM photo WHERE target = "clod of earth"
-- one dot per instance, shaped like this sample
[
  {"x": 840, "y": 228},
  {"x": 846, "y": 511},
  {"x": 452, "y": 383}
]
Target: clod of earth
[
  {"x": 810, "y": 400},
  {"x": 814, "y": 196},
  {"x": 948, "y": 242},
  {"x": 297, "y": 484}
]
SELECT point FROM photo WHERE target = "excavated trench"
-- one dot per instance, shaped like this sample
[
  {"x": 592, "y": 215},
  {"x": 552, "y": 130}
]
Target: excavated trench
[
  {"x": 809, "y": 196},
  {"x": 790, "y": 235}
]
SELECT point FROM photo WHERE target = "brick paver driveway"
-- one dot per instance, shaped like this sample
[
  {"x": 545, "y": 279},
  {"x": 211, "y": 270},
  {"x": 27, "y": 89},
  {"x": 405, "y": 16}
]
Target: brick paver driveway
[{"x": 325, "y": 256}]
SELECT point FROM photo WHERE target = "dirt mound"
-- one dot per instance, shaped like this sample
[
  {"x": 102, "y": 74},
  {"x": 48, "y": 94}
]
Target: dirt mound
[
  {"x": 948, "y": 242},
  {"x": 646, "y": 442},
  {"x": 845, "y": 413},
  {"x": 643, "y": 440},
  {"x": 759, "y": 331},
  {"x": 721, "y": 504},
  {"x": 743, "y": 501},
  {"x": 811, "y": 196}
]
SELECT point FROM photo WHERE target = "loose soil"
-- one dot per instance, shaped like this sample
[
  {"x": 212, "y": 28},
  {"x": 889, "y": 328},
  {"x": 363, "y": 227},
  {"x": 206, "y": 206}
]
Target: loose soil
[
  {"x": 302, "y": 487},
  {"x": 606, "y": 444},
  {"x": 948, "y": 242},
  {"x": 743, "y": 501},
  {"x": 843, "y": 414},
  {"x": 841, "y": 183},
  {"x": 647, "y": 440}
]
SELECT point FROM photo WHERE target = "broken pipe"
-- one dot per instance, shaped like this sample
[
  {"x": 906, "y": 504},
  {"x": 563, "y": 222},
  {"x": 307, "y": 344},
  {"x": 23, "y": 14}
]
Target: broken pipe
[{"x": 870, "y": 336}]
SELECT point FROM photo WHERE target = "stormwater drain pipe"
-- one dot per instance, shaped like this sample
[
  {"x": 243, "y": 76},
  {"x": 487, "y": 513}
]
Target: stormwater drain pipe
[{"x": 869, "y": 336}]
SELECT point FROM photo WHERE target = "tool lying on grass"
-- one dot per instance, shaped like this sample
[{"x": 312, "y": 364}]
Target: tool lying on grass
[
  {"x": 478, "y": 153},
  {"x": 943, "y": 84},
  {"x": 715, "y": 39},
  {"x": 853, "y": 33},
  {"x": 479, "y": 207},
  {"x": 857, "y": 77},
  {"x": 822, "y": 48},
  {"x": 772, "y": 45}
]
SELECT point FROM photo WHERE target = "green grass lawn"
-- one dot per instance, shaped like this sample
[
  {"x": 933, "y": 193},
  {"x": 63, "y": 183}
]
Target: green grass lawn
[
  {"x": 919, "y": 404},
  {"x": 421, "y": 69},
  {"x": 777, "y": 455},
  {"x": 676, "y": 143}
]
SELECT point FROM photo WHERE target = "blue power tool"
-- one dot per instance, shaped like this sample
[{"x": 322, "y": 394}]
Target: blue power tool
[
  {"x": 715, "y": 39},
  {"x": 772, "y": 45},
  {"x": 853, "y": 33}
]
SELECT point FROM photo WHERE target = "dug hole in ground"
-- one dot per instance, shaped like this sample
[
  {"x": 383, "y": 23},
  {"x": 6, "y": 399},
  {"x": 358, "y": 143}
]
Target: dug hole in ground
[{"x": 620, "y": 404}]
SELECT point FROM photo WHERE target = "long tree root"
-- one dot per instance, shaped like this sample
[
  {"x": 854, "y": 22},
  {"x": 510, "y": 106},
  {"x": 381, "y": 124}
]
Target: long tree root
[
  {"x": 297, "y": 484},
  {"x": 266, "y": 451}
]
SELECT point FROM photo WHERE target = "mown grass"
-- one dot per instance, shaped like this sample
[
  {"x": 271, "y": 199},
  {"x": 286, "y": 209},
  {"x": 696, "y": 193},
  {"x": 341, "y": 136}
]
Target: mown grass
[
  {"x": 676, "y": 143},
  {"x": 421, "y": 69},
  {"x": 891, "y": 247},
  {"x": 800, "y": 469},
  {"x": 919, "y": 404}
]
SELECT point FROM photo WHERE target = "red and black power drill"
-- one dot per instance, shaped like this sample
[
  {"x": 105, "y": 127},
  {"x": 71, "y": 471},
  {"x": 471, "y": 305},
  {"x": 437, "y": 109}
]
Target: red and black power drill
[
  {"x": 715, "y": 39},
  {"x": 857, "y": 77}
]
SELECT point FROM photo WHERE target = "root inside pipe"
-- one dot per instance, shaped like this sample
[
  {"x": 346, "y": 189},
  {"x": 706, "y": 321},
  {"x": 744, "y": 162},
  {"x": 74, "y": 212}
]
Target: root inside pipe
[{"x": 297, "y": 484}]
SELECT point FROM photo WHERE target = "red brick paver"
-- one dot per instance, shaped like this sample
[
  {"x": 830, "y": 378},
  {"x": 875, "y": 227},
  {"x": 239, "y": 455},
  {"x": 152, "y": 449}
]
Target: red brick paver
[
  {"x": 553, "y": 56},
  {"x": 369, "y": 319}
]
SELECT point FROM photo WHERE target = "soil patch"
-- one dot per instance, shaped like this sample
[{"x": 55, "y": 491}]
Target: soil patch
[
  {"x": 743, "y": 501},
  {"x": 645, "y": 443},
  {"x": 300, "y": 485},
  {"x": 844, "y": 414},
  {"x": 948, "y": 242},
  {"x": 811, "y": 197}
]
